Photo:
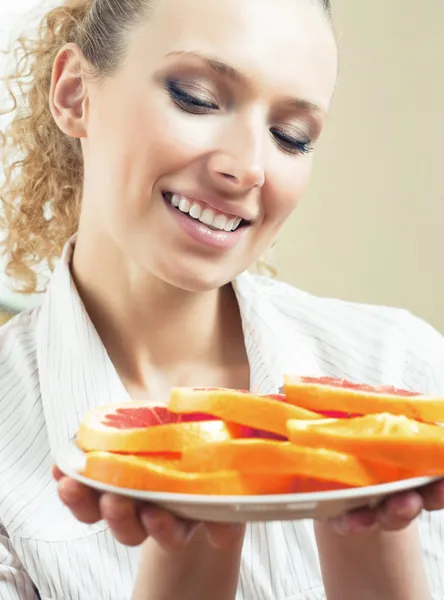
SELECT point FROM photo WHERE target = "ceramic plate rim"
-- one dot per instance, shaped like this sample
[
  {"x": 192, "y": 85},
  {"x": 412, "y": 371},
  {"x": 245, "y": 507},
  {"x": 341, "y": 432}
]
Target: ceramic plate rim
[{"x": 245, "y": 501}]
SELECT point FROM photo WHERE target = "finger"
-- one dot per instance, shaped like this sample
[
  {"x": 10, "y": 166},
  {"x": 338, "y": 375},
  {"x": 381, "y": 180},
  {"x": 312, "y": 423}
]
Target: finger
[
  {"x": 57, "y": 473},
  {"x": 170, "y": 532},
  {"x": 223, "y": 535},
  {"x": 123, "y": 519},
  {"x": 397, "y": 512},
  {"x": 433, "y": 496},
  {"x": 356, "y": 521},
  {"x": 81, "y": 500}
]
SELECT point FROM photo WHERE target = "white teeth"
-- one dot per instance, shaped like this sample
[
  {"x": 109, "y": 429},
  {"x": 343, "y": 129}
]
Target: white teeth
[
  {"x": 230, "y": 224},
  {"x": 184, "y": 205},
  {"x": 237, "y": 222},
  {"x": 206, "y": 216},
  {"x": 195, "y": 211},
  {"x": 220, "y": 221}
]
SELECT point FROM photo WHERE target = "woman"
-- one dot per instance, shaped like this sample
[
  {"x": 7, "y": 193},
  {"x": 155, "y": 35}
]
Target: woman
[{"x": 176, "y": 137}]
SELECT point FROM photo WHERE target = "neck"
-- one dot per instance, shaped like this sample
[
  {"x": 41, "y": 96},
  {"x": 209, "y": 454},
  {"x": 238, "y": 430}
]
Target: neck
[{"x": 157, "y": 335}]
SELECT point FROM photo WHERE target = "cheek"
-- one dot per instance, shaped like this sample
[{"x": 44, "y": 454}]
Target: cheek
[
  {"x": 138, "y": 140},
  {"x": 176, "y": 139},
  {"x": 169, "y": 137},
  {"x": 286, "y": 184}
]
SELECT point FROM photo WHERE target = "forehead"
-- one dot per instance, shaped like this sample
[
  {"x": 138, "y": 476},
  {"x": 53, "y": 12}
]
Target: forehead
[{"x": 285, "y": 46}]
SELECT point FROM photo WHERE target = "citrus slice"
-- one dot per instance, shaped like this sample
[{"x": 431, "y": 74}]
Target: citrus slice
[
  {"x": 258, "y": 412},
  {"x": 416, "y": 447},
  {"x": 330, "y": 414},
  {"x": 308, "y": 485},
  {"x": 271, "y": 458},
  {"x": 157, "y": 475},
  {"x": 328, "y": 394},
  {"x": 250, "y": 432},
  {"x": 142, "y": 428}
]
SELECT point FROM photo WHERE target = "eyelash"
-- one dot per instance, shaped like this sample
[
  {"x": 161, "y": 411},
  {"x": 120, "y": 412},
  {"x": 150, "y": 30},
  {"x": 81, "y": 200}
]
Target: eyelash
[
  {"x": 189, "y": 103},
  {"x": 193, "y": 105},
  {"x": 292, "y": 145}
]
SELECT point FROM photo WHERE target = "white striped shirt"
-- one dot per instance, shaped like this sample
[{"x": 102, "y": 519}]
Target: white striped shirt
[{"x": 54, "y": 368}]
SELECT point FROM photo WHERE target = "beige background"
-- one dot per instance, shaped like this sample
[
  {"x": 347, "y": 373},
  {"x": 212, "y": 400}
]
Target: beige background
[{"x": 370, "y": 228}]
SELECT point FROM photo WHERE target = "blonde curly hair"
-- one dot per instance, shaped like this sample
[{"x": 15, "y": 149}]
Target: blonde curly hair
[{"x": 42, "y": 167}]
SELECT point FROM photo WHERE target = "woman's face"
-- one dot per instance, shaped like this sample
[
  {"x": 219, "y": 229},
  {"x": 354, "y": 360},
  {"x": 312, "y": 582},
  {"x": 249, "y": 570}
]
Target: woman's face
[{"x": 199, "y": 148}]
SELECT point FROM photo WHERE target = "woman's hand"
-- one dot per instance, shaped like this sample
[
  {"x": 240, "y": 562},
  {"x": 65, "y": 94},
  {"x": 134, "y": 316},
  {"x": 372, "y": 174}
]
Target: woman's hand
[
  {"x": 132, "y": 523},
  {"x": 395, "y": 513},
  {"x": 385, "y": 562},
  {"x": 179, "y": 558}
]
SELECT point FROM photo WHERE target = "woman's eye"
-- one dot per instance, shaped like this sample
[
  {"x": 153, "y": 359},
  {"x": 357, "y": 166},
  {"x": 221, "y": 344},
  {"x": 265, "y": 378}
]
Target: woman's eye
[
  {"x": 189, "y": 102},
  {"x": 291, "y": 145}
]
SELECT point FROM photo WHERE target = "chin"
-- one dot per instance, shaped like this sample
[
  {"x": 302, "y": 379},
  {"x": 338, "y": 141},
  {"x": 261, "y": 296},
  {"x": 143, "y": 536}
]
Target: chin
[
  {"x": 205, "y": 279},
  {"x": 194, "y": 282}
]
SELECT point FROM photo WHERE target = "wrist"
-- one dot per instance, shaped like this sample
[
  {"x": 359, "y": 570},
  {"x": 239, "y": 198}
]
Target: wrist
[{"x": 196, "y": 572}]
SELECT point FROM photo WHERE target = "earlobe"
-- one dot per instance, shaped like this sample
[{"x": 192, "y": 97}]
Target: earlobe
[{"x": 68, "y": 92}]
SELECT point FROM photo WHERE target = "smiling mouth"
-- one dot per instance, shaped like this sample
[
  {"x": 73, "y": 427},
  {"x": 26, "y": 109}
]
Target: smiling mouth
[{"x": 213, "y": 219}]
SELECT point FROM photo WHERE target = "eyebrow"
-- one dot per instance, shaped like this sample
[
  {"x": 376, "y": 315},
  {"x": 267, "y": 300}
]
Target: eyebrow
[
  {"x": 302, "y": 105},
  {"x": 218, "y": 66},
  {"x": 226, "y": 70}
]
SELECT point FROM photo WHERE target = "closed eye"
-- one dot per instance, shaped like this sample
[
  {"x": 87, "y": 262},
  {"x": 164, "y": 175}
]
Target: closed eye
[
  {"x": 290, "y": 144},
  {"x": 194, "y": 104},
  {"x": 189, "y": 102}
]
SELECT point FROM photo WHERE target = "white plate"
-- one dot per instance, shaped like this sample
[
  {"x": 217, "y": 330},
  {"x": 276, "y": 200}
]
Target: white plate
[{"x": 242, "y": 509}]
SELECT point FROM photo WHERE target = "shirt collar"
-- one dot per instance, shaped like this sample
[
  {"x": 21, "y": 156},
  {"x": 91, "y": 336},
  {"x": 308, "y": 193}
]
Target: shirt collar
[{"x": 77, "y": 375}]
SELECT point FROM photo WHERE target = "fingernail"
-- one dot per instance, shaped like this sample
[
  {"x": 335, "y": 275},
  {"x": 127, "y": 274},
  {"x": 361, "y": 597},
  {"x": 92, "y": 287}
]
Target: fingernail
[
  {"x": 341, "y": 526},
  {"x": 183, "y": 532}
]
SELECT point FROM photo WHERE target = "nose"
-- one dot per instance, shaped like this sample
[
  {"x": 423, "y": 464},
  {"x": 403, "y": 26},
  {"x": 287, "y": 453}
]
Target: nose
[{"x": 238, "y": 165}]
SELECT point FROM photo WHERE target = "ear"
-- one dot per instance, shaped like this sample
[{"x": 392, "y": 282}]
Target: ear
[{"x": 68, "y": 91}]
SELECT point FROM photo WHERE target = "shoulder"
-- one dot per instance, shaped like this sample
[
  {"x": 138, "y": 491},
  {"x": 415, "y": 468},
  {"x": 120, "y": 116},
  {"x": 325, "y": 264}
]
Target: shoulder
[
  {"x": 331, "y": 315},
  {"x": 360, "y": 338}
]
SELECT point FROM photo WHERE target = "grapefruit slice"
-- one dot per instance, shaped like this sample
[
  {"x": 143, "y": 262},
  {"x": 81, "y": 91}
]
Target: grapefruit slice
[
  {"x": 328, "y": 394},
  {"x": 416, "y": 447},
  {"x": 144, "y": 473},
  {"x": 257, "y": 412},
  {"x": 143, "y": 428},
  {"x": 271, "y": 458}
]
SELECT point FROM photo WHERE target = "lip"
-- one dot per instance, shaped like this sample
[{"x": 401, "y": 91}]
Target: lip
[
  {"x": 213, "y": 238},
  {"x": 231, "y": 208}
]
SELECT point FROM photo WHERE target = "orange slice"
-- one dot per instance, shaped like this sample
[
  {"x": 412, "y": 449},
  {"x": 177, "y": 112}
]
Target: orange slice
[
  {"x": 278, "y": 458},
  {"x": 159, "y": 475},
  {"x": 416, "y": 447},
  {"x": 143, "y": 428},
  {"x": 258, "y": 412},
  {"x": 308, "y": 485},
  {"x": 328, "y": 394}
]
